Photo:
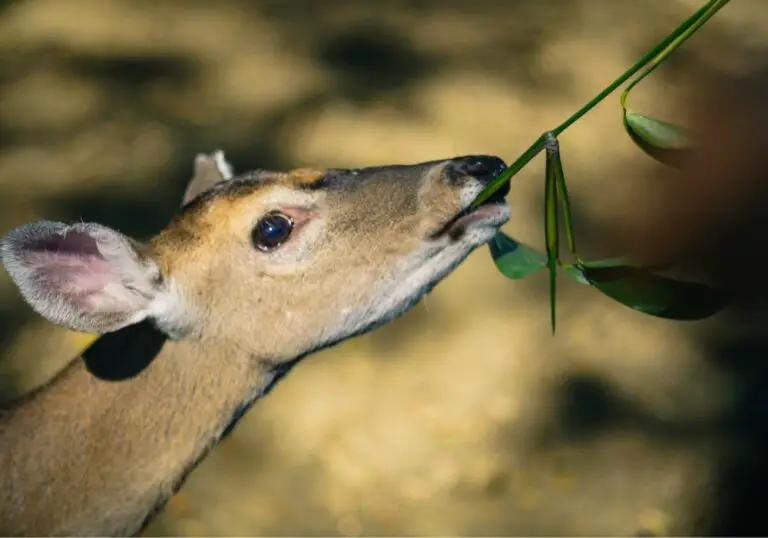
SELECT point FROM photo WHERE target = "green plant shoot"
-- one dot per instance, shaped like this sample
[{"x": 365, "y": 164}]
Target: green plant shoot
[{"x": 636, "y": 287}]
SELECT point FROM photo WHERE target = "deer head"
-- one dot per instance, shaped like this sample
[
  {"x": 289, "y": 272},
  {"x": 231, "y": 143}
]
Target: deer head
[{"x": 276, "y": 263}]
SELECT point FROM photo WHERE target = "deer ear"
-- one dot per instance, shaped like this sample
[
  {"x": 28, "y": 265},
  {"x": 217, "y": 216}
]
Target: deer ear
[
  {"x": 85, "y": 277},
  {"x": 209, "y": 170}
]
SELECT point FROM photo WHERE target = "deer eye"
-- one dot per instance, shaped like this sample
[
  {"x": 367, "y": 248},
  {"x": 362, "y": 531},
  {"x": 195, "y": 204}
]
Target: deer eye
[{"x": 271, "y": 231}]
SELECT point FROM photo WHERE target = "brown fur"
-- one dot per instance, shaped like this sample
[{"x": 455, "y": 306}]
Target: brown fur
[{"x": 86, "y": 456}]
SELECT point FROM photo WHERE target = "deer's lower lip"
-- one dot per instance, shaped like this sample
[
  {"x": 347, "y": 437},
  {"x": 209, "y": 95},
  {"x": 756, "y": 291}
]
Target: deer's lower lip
[
  {"x": 494, "y": 214},
  {"x": 494, "y": 210}
]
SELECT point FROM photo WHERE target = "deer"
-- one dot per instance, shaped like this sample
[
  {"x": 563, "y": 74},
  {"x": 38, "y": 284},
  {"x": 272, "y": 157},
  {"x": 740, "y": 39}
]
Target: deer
[{"x": 256, "y": 271}]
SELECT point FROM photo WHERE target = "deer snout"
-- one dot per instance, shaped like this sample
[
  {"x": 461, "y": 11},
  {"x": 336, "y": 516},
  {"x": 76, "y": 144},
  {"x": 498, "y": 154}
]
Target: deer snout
[
  {"x": 472, "y": 173},
  {"x": 483, "y": 168}
]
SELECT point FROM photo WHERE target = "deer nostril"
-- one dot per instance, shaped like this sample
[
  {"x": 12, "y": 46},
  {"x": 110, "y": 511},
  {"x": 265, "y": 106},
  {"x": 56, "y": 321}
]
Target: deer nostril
[{"x": 481, "y": 167}]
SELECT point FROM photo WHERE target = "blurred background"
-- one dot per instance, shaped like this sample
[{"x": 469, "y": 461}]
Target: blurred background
[{"x": 466, "y": 416}]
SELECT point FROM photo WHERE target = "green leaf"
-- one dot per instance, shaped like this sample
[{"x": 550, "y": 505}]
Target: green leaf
[
  {"x": 661, "y": 140},
  {"x": 657, "y": 132},
  {"x": 620, "y": 264},
  {"x": 551, "y": 232},
  {"x": 640, "y": 289},
  {"x": 514, "y": 259},
  {"x": 562, "y": 193}
]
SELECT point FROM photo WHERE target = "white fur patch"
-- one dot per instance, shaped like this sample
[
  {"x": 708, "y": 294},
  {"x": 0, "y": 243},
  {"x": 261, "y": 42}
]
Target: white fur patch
[
  {"x": 285, "y": 196},
  {"x": 169, "y": 310},
  {"x": 222, "y": 165}
]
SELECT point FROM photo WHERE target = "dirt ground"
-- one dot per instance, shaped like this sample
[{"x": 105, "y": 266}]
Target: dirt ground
[{"x": 465, "y": 416}]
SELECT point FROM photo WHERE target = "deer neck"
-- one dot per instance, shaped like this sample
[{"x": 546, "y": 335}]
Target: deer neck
[{"x": 86, "y": 455}]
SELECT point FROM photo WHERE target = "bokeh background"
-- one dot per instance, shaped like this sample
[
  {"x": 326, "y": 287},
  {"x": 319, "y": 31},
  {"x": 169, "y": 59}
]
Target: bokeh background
[{"x": 466, "y": 416}]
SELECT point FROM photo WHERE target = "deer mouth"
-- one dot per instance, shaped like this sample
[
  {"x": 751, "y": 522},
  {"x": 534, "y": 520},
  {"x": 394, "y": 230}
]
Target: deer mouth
[{"x": 492, "y": 212}]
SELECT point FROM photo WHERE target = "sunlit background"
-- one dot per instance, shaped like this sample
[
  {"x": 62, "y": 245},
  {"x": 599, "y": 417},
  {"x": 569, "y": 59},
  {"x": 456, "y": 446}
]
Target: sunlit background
[{"x": 466, "y": 416}]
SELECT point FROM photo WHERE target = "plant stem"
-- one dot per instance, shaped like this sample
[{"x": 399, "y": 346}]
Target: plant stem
[
  {"x": 670, "y": 43},
  {"x": 650, "y": 55},
  {"x": 707, "y": 12}
]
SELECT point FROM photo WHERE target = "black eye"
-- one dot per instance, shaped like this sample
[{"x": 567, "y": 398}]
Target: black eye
[{"x": 272, "y": 231}]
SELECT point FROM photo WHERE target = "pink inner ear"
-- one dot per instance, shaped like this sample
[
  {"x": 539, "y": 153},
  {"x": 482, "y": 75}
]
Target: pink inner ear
[
  {"x": 71, "y": 262},
  {"x": 70, "y": 242}
]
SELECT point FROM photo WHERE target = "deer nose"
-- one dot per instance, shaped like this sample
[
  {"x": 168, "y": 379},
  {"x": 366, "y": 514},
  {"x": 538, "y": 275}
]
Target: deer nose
[{"x": 481, "y": 167}]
